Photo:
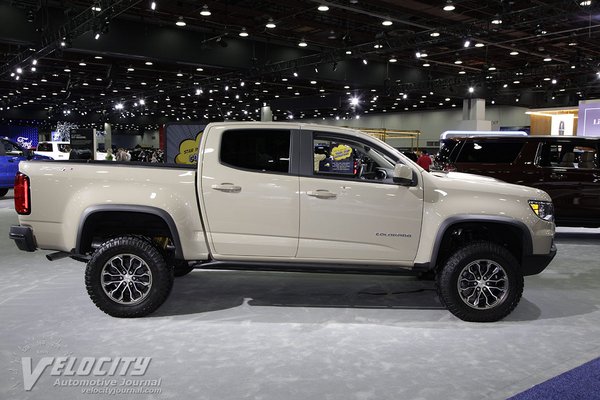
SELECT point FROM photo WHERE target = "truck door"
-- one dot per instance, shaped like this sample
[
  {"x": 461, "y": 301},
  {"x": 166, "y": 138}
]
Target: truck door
[
  {"x": 249, "y": 189},
  {"x": 349, "y": 205}
]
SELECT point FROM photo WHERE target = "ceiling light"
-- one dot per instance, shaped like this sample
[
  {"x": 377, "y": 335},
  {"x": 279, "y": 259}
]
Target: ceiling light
[
  {"x": 205, "y": 11},
  {"x": 479, "y": 44},
  {"x": 547, "y": 59},
  {"x": 434, "y": 34},
  {"x": 387, "y": 22},
  {"x": 97, "y": 35},
  {"x": 585, "y": 3},
  {"x": 313, "y": 82},
  {"x": 19, "y": 70},
  {"x": 467, "y": 43},
  {"x": 82, "y": 64},
  {"x": 323, "y": 8},
  {"x": 119, "y": 106},
  {"x": 271, "y": 24},
  {"x": 153, "y": 5},
  {"x": 130, "y": 69},
  {"x": 573, "y": 44},
  {"x": 348, "y": 52},
  {"x": 180, "y": 21},
  {"x": 462, "y": 72},
  {"x": 302, "y": 43},
  {"x": 98, "y": 57},
  {"x": 496, "y": 21},
  {"x": 364, "y": 61},
  {"x": 427, "y": 65},
  {"x": 243, "y": 32},
  {"x": 393, "y": 60},
  {"x": 179, "y": 74},
  {"x": 514, "y": 53},
  {"x": 554, "y": 81},
  {"x": 148, "y": 63},
  {"x": 449, "y": 6},
  {"x": 457, "y": 62},
  {"x": 491, "y": 68},
  {"x": 471, "y": 89},
  {"x": 516, "y": 82}
]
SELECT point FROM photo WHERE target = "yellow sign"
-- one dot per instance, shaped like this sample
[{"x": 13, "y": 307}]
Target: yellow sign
[
  {"x": 341, "y": 152},
  {"x": 188, "y": 151}
]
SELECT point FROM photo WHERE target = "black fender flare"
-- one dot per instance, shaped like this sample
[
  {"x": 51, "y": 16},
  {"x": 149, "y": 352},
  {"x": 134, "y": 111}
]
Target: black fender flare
[{"x": 164, "y": 215}]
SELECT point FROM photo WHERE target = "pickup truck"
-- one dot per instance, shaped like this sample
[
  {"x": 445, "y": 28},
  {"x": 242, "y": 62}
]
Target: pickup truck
[{"x": 287, "y": 197}]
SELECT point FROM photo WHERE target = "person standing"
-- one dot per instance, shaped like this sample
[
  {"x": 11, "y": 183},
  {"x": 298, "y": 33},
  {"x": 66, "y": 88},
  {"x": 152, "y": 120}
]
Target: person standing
[{"x": 424, "y": 160}]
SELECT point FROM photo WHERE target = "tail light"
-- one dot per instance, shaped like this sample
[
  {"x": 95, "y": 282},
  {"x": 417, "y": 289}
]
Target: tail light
[{"x": 22, "y": 194}]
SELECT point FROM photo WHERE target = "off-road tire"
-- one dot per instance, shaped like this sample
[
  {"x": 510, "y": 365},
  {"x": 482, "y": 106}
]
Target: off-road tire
[
  {"x": 161, "y": 274},
  {"x": 449, "y": 278}
]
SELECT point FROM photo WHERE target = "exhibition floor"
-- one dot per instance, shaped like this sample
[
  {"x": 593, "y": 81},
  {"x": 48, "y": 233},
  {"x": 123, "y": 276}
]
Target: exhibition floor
[{"x": 274, "y": 336}]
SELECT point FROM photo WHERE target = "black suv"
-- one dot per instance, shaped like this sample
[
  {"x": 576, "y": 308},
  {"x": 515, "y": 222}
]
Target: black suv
[{"x": 567, "y": 168}]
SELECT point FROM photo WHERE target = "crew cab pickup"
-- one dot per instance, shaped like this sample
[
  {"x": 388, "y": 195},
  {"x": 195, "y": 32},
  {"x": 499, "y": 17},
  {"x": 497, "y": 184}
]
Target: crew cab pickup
[{"x": 285, "y": 196}]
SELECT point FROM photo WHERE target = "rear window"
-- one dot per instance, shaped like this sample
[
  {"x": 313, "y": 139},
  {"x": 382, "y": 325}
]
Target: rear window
[
  {"x": 257, "y": 149},
  {"x": 44, "y": 147},
  {"x": 492, "y": 152}
]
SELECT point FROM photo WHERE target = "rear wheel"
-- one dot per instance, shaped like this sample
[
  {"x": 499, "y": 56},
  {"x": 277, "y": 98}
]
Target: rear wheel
[
  {"x": 481, "y": 282},
  {"x": 3, "y": 192},
  {"x": 128, "y": 277}
]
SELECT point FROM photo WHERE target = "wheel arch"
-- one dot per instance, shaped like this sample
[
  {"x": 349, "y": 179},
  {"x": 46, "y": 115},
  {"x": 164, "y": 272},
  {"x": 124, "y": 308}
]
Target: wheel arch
[
  {"x": 146, "y": 219},
  {"x": 514, "y": 232}
]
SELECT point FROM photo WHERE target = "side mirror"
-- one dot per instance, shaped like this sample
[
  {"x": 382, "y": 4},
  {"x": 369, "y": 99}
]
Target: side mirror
[{"x": 404, "y": 175}]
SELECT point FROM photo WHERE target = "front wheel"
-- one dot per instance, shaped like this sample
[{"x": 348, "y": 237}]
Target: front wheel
[
  {"x": 128, "y": 277},
  {"x": 481, "y": 282}
]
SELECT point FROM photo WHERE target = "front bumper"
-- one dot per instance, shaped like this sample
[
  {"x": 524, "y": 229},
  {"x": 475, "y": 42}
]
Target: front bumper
[
  {"x": 536, "y": 263},
  {"x": 23, "y": 237}
]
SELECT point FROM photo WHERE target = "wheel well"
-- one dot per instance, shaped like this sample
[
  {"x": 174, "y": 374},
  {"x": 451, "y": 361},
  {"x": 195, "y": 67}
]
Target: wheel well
[
  {"x": 101, "y": 226},
  {"x": 458, "y": 235}
]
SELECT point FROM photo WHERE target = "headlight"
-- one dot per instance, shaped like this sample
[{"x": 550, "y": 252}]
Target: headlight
[{"x": 543, "y": 209}]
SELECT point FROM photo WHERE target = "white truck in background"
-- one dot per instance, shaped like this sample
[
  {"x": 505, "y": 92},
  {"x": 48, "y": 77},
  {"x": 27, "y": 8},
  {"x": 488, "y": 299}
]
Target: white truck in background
[{"x": 285, "y": 196}]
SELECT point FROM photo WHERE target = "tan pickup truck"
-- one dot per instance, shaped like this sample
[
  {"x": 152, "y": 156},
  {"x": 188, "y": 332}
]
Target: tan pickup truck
[{"x": 285, "y": 196}]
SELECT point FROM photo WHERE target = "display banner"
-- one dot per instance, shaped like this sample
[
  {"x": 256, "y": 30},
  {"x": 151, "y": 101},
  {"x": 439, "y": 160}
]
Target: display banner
[
  {"x": 182, "y": 143},
  {"x": 562, "y": 125},
  {"x": 83, "y": 144},
  {"x": 589, "y": 119}
]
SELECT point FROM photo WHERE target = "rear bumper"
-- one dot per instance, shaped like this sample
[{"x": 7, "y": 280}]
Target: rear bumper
[
  {"x": 536, "y": 263},
  {"x": 23, "y": 237}
]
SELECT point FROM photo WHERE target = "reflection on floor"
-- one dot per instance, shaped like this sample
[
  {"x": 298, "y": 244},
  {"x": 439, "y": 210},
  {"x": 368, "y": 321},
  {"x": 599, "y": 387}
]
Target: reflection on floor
[{"x": 231, "y": 335}]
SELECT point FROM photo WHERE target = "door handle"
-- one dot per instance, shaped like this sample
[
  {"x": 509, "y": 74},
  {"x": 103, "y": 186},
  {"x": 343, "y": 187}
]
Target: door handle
[
  {"x": 321, "y": 194},
  {"x": 227, "y": 188}
]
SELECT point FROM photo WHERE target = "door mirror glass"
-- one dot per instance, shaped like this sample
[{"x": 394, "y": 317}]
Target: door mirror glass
[{"x": 403, "y": 175}]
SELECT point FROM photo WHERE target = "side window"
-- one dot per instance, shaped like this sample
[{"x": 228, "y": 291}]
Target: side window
[
  {"x": 350, "y": 160},
  {"x": 568, "y": 155},
  {"x": 266, "y": 150},
  {"x": 487, "y": 152},
  {"x": 64, "y": 148},
  {"x": 44, "y": 147},
  {"x": 2, "y": 149},
  {"x": 12, "y": 149}
]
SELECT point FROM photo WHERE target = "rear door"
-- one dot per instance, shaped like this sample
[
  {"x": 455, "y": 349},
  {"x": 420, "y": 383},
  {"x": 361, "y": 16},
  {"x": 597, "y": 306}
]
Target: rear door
[
  {"x": 249, "y": 189},
  {"x": 571, "y": 176}
]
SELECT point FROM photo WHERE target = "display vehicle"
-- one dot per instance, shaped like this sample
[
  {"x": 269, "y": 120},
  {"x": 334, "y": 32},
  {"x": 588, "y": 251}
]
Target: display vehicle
[
  {"x": 566, "y": 167},
  {"x": 286, "y": 197},
  {"x": 11, "y": 154}
]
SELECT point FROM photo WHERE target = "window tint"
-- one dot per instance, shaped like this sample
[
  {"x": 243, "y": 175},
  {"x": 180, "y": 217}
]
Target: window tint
[
  {"x": 475, "y": 151},
  {"x": 44, "y": 147},
  {"x": 349, "y": 159},
  {"x": 256, "y": 149},
  {"x": 568, "y": 155}
]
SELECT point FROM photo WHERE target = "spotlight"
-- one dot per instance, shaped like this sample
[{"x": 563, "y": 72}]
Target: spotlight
[
  {"x": 364, "y": 61},
  {"x": 153, "y": 5},
  {"x": 205, "y": 11},
  {"x": 467, "y": 43}
]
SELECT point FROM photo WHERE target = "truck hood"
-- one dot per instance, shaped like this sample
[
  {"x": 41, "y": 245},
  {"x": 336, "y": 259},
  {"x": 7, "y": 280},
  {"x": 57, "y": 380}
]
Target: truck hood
[{"x": 478, "y": 184}]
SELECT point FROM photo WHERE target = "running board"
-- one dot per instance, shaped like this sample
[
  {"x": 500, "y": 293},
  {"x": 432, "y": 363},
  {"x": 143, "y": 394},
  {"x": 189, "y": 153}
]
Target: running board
[{"x": 306, "y": 267}]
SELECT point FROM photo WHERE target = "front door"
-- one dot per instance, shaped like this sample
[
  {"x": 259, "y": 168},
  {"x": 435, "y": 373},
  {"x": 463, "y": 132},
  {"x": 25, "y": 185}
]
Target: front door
[{"x": 350, "y": 207}]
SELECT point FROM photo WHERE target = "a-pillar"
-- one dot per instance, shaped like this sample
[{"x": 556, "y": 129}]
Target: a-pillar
[{"x": 474, "y": 116}]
